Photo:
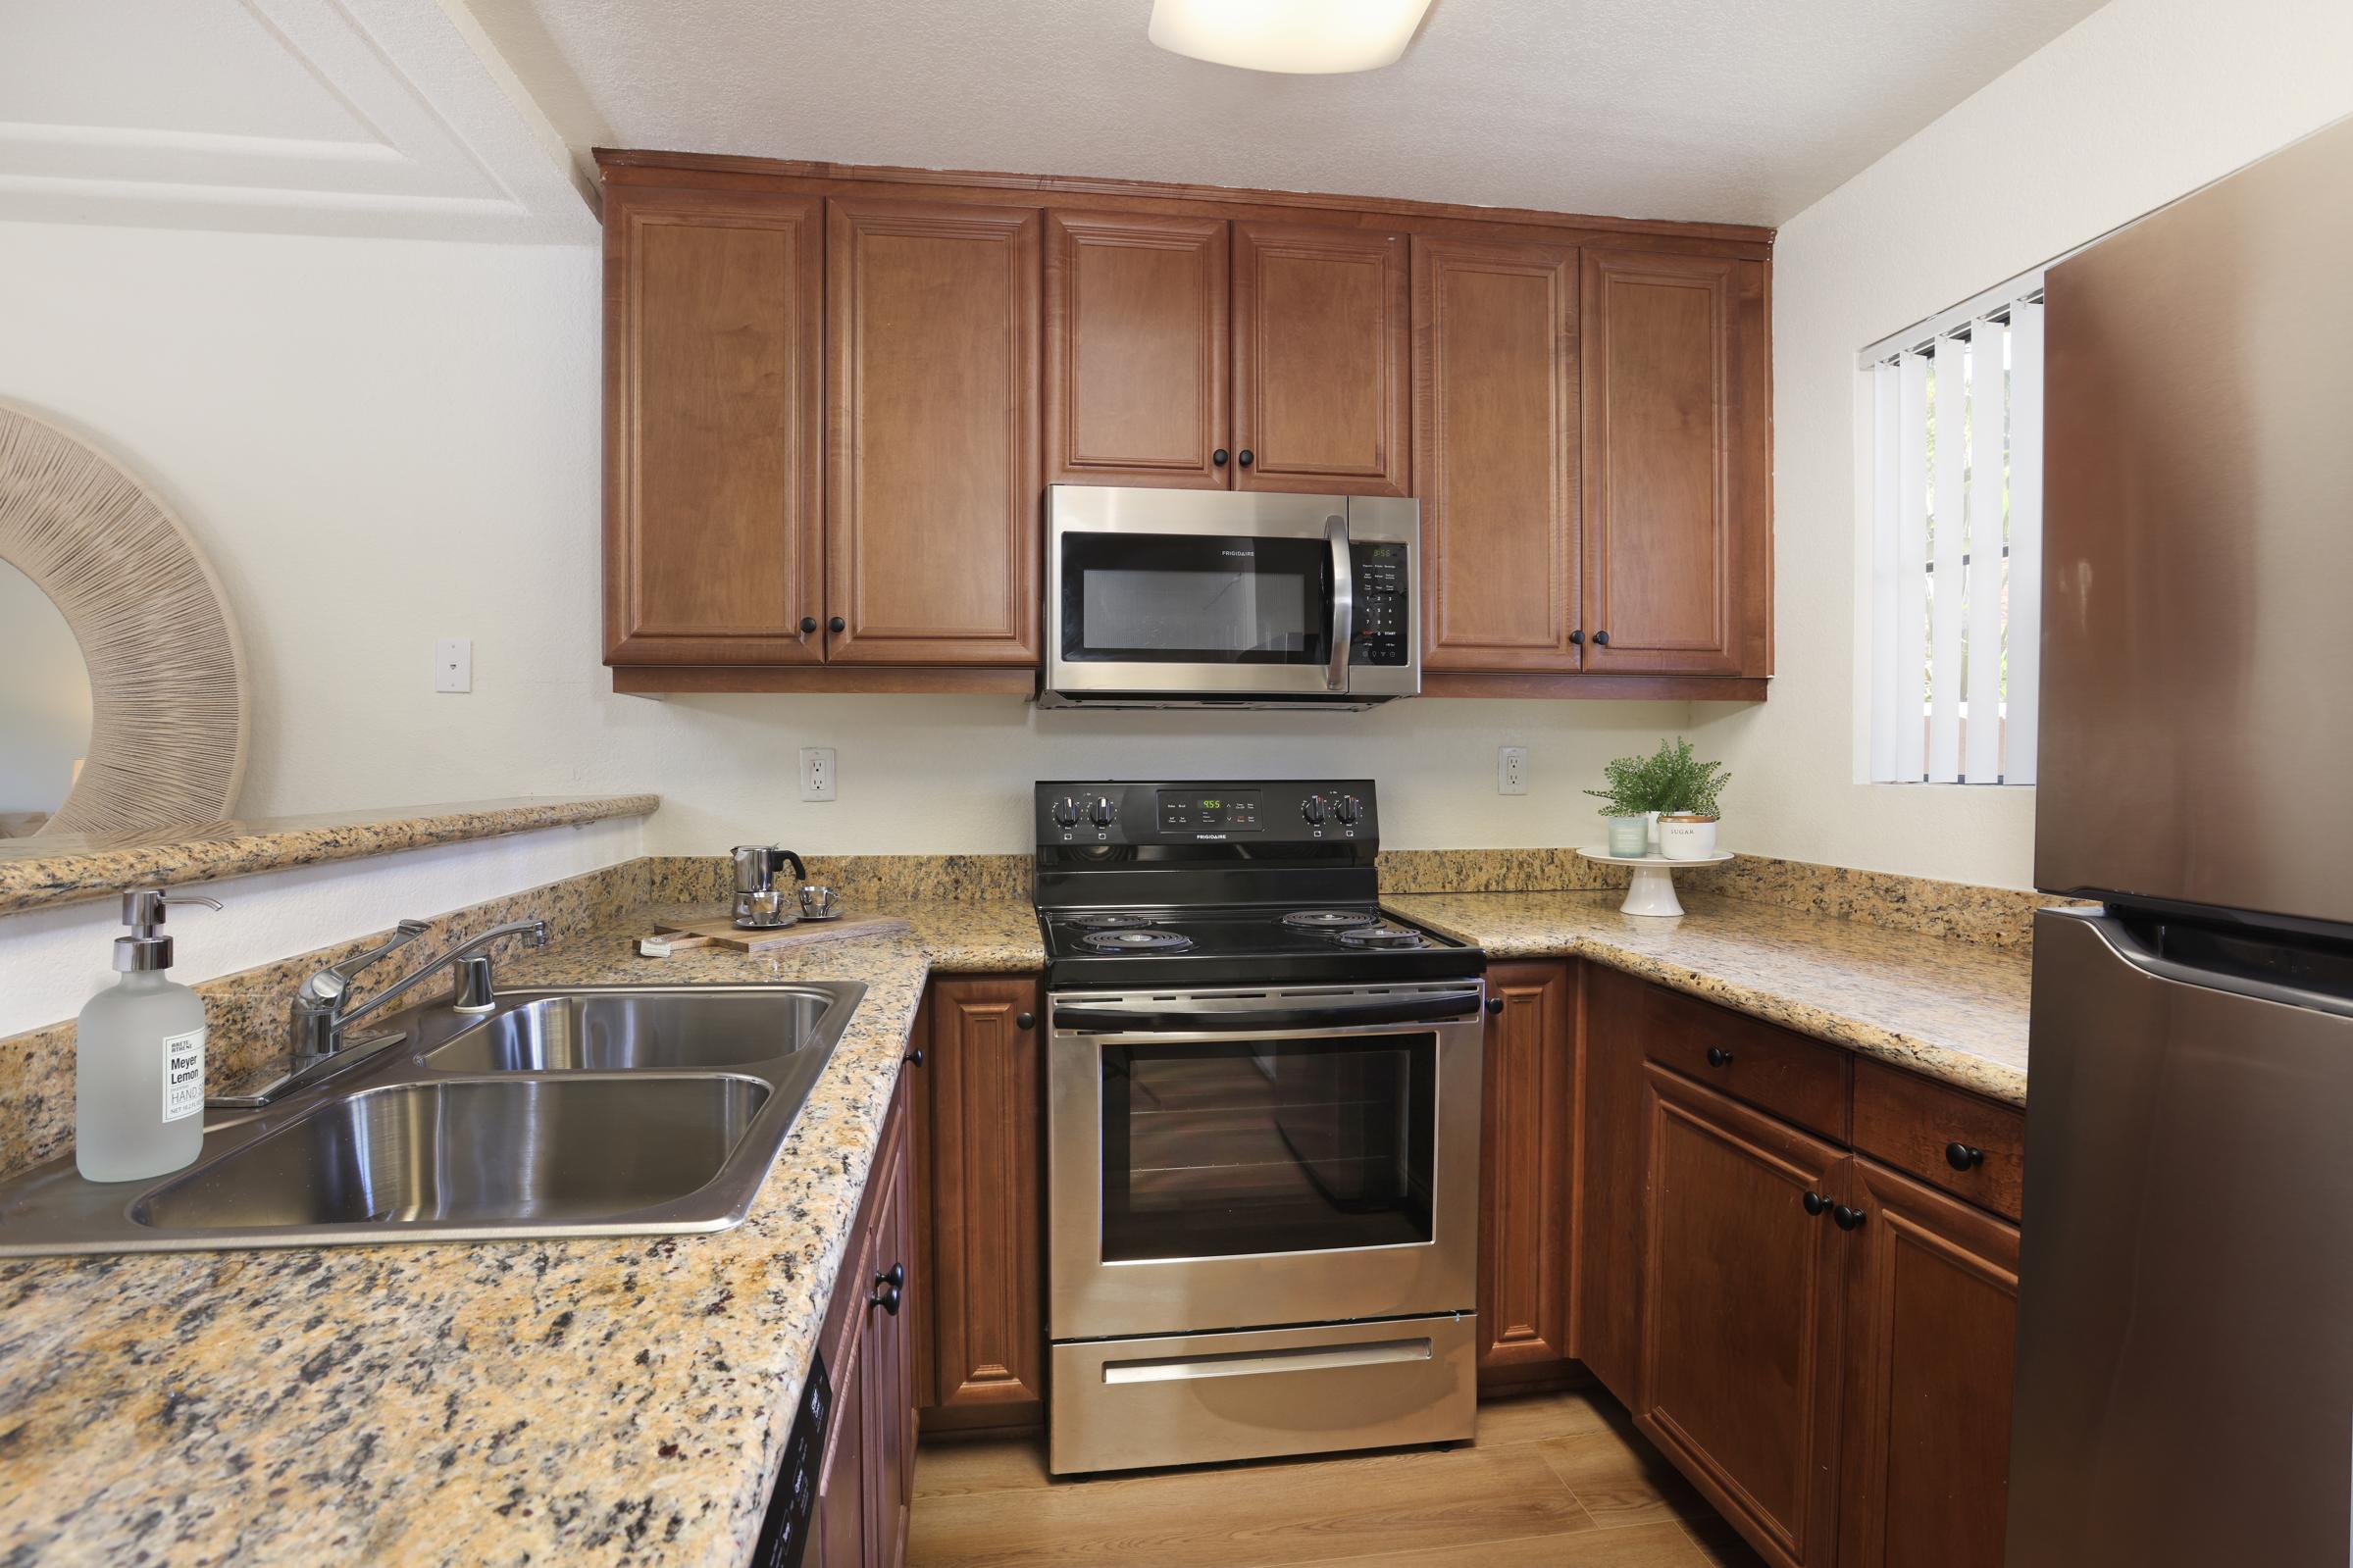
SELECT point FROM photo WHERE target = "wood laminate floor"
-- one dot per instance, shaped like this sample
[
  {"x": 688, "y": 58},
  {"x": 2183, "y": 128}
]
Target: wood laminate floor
[{"x": 1558, "y": 1480}]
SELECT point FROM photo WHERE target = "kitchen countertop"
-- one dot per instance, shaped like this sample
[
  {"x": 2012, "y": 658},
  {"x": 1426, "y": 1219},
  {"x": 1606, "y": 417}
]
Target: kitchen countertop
[
  {"x": 1950, "y": 1010},
  {"x": 605, "y": 1400},
  {"x": 623, "y": 1401}
]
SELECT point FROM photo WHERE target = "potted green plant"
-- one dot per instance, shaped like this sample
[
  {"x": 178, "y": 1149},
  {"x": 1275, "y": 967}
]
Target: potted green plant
[{"x": 1663, "y": 804}]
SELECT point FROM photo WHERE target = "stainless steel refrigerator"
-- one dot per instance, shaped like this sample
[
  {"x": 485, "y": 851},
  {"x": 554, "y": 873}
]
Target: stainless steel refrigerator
[{"x": 2185, "y": 1375}]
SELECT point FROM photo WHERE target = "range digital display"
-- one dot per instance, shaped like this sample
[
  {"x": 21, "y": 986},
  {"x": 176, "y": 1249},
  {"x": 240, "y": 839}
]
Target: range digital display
[{"x": 1219, "y": 811}]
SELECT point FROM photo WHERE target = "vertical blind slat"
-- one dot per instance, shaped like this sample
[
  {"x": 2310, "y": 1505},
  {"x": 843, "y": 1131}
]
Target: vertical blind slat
[
  {"x": 1887, "y": 437},
  {"x": 1948, "y": 584},
  {"x": 1981, "y": 759},
  {"x": 2026, "y": 538},
  {"x": 1911, "y": 562}
]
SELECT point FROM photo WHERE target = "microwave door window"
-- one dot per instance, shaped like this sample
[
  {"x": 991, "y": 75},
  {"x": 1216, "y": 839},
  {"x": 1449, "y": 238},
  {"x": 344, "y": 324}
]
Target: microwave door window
[{"x": 1181, "y": 599}]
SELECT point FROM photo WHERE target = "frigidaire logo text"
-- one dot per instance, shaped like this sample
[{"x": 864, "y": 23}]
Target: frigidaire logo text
[{"x": 1245, "y": 554}]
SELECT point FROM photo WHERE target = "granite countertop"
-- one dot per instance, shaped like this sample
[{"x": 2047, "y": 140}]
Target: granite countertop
[
  {"x": 1947, "y": 1009},
  {"x": 617, "y": 1400},
  {"x": 44, "y": 870}
]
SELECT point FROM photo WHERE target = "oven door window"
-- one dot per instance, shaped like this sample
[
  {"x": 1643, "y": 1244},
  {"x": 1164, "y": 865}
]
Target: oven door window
[
  {"x": 1171, "y": 598},
  {"x": 1296, "y": 1145}
]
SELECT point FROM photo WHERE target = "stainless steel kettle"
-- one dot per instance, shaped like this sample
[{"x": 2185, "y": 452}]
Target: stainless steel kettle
[{"x": 760, "y": 904}]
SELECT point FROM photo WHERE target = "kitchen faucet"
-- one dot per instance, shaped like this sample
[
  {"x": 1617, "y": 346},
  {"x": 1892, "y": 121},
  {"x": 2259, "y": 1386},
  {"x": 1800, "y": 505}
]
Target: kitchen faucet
[{"x": 318, "y": 1021}]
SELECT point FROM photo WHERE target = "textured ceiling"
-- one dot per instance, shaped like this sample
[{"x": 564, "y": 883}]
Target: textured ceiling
[{"x": 1741, "y": 111}]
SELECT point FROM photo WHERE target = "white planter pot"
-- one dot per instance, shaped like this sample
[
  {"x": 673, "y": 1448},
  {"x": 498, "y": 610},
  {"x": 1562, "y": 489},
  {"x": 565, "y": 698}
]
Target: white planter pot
[
  {"x": 1630, "y": 835},
  {"x": 1686, "y": 838},
  {"x": 1653, "y": 818}
]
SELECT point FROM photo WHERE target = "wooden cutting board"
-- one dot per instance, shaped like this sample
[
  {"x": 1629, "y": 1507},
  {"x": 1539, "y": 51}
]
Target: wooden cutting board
[{"x": 724, "y": 933}]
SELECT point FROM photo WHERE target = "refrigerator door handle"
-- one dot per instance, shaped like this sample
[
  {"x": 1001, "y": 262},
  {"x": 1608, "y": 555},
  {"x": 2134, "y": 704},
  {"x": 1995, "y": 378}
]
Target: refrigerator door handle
[{"x": 2126, "y": 943}]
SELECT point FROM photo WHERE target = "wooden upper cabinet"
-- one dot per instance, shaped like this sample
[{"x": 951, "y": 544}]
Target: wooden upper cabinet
[
  {"x": 1526, "y": 1119},
  {"x": 714, "y": 545},
  {"x": 1742, "y": 1309},
  {"x": 1932, "y": 1329},
  {"x": 1495, "y": 377},
  {"x": 1321, "y": 359},
  {"x": 933, "y": 499},
  {"x": 1136, "y": 331},
  {"x": 1677, "y": 445}
]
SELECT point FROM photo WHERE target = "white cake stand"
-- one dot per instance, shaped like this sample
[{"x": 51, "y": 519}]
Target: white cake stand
[{"x": 1653, "y": 892}]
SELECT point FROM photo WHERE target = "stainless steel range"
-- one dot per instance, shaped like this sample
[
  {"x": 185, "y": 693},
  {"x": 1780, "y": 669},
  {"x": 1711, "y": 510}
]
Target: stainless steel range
[{"x": 1262, "y": 1129}]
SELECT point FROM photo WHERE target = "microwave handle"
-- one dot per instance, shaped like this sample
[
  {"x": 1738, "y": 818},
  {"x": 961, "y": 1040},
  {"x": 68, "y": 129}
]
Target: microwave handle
[{"x": 1344, "y": 601}]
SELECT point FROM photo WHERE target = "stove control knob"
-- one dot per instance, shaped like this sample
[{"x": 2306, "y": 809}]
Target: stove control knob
[
  {"x": 1351, "y": 810},
  {"x": 1101, "y": 811},
  {"x": 1313, "y": 808},
  {"x": 1066, "y": 812}
]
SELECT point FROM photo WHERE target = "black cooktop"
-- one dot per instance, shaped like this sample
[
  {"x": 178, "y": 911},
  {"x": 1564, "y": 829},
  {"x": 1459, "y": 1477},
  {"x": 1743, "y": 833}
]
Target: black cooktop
[{"x": 1246, "y": 945}]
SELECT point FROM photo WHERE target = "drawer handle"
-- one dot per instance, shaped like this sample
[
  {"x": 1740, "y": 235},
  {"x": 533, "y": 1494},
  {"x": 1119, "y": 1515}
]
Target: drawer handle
[
  {"x": 1717, "y": 1056},
  {"x": 1960, "y": 1157},
  {"x": 1025, "y": 1020},
  {"x": 1847, "y": 1219},
  {"x": 1495, "y": 1005},
  {"x": 914, "y": 1058},
  {"x": 1816, "y": 1204}
]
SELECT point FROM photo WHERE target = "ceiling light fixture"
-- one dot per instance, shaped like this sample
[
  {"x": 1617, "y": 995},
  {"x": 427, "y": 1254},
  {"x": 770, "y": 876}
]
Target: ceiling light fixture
[{"x": 1307, "y": 37}]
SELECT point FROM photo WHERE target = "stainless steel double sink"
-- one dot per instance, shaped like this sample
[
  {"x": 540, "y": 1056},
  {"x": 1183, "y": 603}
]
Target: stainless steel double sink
[{"x": 582, "y": 1111}]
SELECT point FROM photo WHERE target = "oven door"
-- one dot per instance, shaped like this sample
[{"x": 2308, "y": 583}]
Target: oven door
[
  {"x": 1190, "y": 594},
  {"x": 1231, "y": 1159}
]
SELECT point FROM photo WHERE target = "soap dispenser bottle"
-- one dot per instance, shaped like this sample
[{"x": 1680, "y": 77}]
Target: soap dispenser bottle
[{"x": 139, "y": 1057}]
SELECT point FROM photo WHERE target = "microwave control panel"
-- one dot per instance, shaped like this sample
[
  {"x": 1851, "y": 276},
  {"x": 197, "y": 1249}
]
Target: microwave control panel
[{"x": 1383, "y": 634}]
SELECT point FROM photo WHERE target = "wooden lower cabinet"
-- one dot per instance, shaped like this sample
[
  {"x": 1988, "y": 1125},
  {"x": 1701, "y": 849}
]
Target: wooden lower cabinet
[
  {"x": 1741, "y": 1313},
  {"x": 866, "y": 1485},
  {"x": 1605, "y": 1327},
  {"x": 1526, "y": 1126},
  {"x": 981, "y": 1107},
  {"x": 1931, "y": 1329}
]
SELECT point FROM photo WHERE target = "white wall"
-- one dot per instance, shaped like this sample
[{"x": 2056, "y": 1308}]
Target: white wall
[
  {"x": 2140, "y": 103},
  {"x": 384, "y": 442}
]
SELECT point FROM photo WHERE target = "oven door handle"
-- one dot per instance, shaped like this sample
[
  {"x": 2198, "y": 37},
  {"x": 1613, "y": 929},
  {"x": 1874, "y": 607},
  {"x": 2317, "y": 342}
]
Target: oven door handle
[
  {"x": 1086, "y": 1018},
  {"x": 1344, "y": 601}
]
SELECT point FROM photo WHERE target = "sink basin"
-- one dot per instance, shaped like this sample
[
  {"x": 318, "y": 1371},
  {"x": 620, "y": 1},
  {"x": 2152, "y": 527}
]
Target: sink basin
[
  {"x": 563, "y": 1111},
  {"x": 472, "y": 1151},
  {"x": 638, "y": 1031}
]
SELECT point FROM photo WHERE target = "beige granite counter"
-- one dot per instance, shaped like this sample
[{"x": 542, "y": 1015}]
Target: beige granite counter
[
  {"x": 1951, "y": 1010},
  {"x": 52, "y": 869},
  {"x": 579, "y": 1401}
]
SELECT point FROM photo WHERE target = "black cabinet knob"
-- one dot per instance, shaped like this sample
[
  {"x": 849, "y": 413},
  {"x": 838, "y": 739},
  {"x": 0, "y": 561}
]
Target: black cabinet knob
[
  {"x": 1217, "y": 458},
  {"x": 1846, "y": 1219},
  {"x": 1816, "y": 1204},
  {"x": 836, "y": 624},
  {"x": 884, "y": 1296},
  {"x": 1577, "y": 638},
  {"x": 1717, "y": 1056},
  {"x": 1025, "y": 1020},
  {"x": 913, "y": 1058},
  {"x": 808, "y": 623},
  {"x": 1246, "y": 458},
  {"x": 896, "y": 1279},
  {"x": 1960, "y": 1157},
  {"x": 1601, "y": 638},
  {"x": 1495, "y": 1005}
]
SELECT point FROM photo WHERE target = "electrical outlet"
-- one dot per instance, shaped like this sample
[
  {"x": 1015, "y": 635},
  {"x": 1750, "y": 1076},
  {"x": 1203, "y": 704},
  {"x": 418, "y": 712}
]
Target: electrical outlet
[
  {"x": 816, "y": 773},
  {"x": 1510, "y": 770},
  {"x": 453, "y": 664}
]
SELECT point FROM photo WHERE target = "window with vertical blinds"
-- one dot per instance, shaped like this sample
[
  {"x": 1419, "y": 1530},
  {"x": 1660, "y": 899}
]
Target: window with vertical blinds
[{"x": 1955, "y": 581}]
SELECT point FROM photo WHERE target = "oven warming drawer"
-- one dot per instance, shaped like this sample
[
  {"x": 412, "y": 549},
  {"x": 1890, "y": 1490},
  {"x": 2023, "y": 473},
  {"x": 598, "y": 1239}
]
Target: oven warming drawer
[{"x": 1188, "y": 1399}]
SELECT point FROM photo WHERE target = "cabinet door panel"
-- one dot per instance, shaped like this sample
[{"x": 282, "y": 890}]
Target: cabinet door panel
[
  {"x": 888, "y": 1390},
  {"x": 1612, "y": 1175},
  {"x": 1496, "y": 433},
  {"x": 932, "y": 494},
  {"x": 1741, "y": 1314},
  {"x": 1526, "y": 1116},
  {"x": 1677, "y": 465},
  {"x": 840, "y": 1526},
  {"x": 1135, "y": 350},
  {"x": 988, "y": 1280},
  {"x": 713, "y": 539},
  {"x": 1322, "y": 322},
  {"x": 1932, "y": 1305}
]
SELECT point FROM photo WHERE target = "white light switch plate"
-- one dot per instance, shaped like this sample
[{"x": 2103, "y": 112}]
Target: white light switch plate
[
  {"x": 1510, "y": 770},
  {"x": 453, "y": 664},
  {"x": 816, "y": 773}
]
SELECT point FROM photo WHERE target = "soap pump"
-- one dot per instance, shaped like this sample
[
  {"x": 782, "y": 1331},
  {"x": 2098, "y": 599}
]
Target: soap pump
[{"x": 138, "y": 1056}]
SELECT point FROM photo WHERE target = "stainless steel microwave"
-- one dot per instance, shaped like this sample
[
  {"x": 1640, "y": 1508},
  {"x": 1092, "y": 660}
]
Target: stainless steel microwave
[{"x": 1229, "y": 598}]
